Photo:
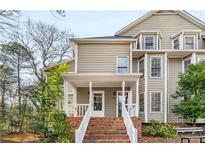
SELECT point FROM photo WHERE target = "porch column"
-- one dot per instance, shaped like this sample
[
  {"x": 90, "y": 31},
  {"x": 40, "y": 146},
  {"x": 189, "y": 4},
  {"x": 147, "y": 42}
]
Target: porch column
[
  {"x": 65, "y": 105},
  {"x": 193, "y": 58},
  {"x": 123, "y": 91},
  {"x": 90, "y": 92},
  {"x": 137, "y": 98}
]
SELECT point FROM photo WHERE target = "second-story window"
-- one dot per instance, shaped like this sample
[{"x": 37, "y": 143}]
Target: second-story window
[
  {"x": 155, "y": 66},
  {"x": 187, "y": 62},
  {"x": 189, "y": 42},
  {"x": 122, "y": 65},
  {"x": 149, "y": 42},
  {"x": 138, "y": 43},
  {"x": 176, "y": 43}
]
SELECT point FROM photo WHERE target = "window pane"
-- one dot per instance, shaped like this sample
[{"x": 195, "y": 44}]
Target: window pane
[
  {"x": 122, "y": 64},
  {"x": 156, "y": 67},
  {"x": 138, "y": 43},
  {"x": 149, "y": 43},
  {"x": 189, "y": 42},
  {"x": 156, "y": 102},
  {"x": 141, "y": 102},
  {"x": 141, "y": 68},
  {"x": 176, "y": 43}
]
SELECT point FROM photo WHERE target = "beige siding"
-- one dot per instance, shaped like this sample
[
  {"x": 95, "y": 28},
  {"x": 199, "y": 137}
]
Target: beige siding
[
  {"x": 168, "y": 25},
  {"x": 100, "y": 57},
  {"x": 155, "y": 84},
  {"x": 72, "y": 66},
  {"x": 135, "y": 65},
  {"x": 174, "y": 68},
  {"x": 110, "y": 98}
]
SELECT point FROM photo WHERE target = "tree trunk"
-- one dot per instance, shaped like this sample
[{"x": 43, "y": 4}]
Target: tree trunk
[
  {"x": 19, "y": 84},
  {"x": 3, "y": 109},
  {"x": 194, "y": 122},
  {"x": 23, "y": 115}
]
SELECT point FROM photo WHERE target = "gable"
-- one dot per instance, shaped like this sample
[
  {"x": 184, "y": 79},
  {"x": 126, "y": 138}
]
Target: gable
[{"x": 162, "y": 18}]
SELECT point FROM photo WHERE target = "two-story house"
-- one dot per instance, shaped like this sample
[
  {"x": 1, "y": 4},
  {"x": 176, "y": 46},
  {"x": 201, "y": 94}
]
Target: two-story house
[{"x": 136, "y": 69}]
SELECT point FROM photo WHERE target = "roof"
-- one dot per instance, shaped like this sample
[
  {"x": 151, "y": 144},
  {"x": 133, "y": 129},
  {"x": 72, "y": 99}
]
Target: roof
[
  {"x": 182, "y": 13},
  {"x": 113, "y": 38}
]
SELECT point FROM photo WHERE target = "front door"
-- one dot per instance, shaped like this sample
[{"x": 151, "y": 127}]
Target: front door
[
  {"x": 119, "y": 102},
  {"x": 98, "y": 104}
]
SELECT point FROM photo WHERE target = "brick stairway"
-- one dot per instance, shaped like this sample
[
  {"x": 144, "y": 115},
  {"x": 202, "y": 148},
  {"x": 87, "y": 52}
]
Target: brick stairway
[{"x": 106, "y": 130}]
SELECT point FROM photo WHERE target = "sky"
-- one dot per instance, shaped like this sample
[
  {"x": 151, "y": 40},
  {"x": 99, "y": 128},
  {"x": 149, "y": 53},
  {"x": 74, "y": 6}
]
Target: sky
[{"x": 93, "y": 23}]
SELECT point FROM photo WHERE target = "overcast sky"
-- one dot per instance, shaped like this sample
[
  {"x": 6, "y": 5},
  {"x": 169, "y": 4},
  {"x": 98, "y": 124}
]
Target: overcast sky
[{"x": 93, "y": 23}]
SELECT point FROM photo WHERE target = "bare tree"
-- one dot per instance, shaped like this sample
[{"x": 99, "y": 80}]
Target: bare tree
[{"x": 45, "y": 45}]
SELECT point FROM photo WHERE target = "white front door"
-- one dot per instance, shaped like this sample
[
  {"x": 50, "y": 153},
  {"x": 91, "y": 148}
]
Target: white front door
[
  {"x": 98, "y": 104},
  {"x": 119, "y": 101}
]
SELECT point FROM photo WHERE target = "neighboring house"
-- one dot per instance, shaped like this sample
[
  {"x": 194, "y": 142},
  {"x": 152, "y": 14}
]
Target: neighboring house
[{"x": 141, "y": 62}]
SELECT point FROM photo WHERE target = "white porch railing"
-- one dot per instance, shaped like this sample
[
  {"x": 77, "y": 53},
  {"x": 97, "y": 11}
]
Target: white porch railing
[
  {"x": 77, "y": 110},
  {"x": 131, "y": 109},
  {"x": 80, "y": 132},
  {"x": 131, "y": 130}
]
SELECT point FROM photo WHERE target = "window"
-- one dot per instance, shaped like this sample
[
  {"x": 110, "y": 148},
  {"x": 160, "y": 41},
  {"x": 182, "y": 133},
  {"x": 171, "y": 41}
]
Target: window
[
  {"x": 176, "y": 43},
  {"x": 149, "y": 42},
  {"x": 138, "y": 43},
  {"x": 122, "y": 65},
  {"x": 141, "y": 68},
  {"x": 155, "y": 101},
  {"x": 189, "y": 42},
  {"x": 141, "y": 102},
  {"x": 199, "y": 59},
  {"x": 186, "y": 64},
  {"x": 155, "y": 67}
]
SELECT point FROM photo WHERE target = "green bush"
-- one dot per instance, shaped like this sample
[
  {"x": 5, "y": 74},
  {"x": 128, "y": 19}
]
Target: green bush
[{"x": 160, "y": 130}]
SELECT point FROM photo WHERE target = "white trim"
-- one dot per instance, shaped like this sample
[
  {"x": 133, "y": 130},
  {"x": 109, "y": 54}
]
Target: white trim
[
  {"x": 146, "y": 91},
  {"x": 151, "y": 101},
  {"x": 76, "y": 58},
  {"x": 137, "y": 98},
  {"x": 138, "y": 66},
  {"x": 193, "y": 58},
  {"x": 140, "y": 41},
  {"x": 154, "y": 43},
  {"x": 130, "y": 61},
  {"x": 194, "y": 39},
  {"x": 103, "y": 103},
  {"x": 165, "y": 86},
  {"x": 161, "y": 70},
  {"x": 128, "y": 67}
]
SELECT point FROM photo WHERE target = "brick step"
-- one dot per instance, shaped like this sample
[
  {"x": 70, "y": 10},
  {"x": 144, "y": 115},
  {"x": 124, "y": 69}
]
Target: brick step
[
  {"x": 106, "y": 128},
  {"x": 106, "y": 141},
  {"x": 108, "y": 137},
  {"x": 106, "y": 132}
]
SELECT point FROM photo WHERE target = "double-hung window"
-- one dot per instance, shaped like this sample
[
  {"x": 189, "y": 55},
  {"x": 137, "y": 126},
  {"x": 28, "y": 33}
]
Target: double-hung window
[
  {"x": 189, "y": 42},
  {"x": 141, "y": 68},
  {"x": 149, "y": 42},
  {"x": 176, "y": 43},
  {"x": 122, "y": 64},
  {"x": 156, "y": 101},
  {"x": 186, "y": 62},
  {"x": 156, "y": 67}
]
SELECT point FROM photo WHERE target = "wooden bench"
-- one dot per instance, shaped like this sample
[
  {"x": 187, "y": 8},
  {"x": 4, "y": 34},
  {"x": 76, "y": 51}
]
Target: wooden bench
[
  {"x": 190, "y": 130},
  {"x": 189, "y": 138}
]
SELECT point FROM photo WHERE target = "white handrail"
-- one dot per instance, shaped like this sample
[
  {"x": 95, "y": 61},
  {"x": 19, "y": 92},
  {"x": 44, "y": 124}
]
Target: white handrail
[
  {"x": 131, "y": 109},
  {"x": 131, "y": 130},
  {"x": 80, "y": 132}
]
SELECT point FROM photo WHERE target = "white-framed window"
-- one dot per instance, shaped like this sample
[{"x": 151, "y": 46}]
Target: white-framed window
[
  {"x": 176, "y": 43},
  {"x": 141, "y": 102},
  {"x": 149, "y": 42},
  {"x": 70, "y": 98},
  {"x": 138, "y": 43},
  {"x": 141, "y": 67},
  {"x": 189, "y": 42},
  {"x": 186, "y": 64},
  {"x": 156, "y": 101},
  {"x": 156, "y": 67},
  {"x": 200, "y": 58},
  {"x": 122, "y": 64}
]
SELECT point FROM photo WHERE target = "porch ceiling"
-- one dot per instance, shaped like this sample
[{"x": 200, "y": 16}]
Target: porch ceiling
[{"x": 101, "y": 79}]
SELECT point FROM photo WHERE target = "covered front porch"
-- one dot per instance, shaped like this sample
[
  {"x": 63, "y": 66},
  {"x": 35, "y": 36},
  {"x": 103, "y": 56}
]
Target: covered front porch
[{"x": 105, "y": 93}]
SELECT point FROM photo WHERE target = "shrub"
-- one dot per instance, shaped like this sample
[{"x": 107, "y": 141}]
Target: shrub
[{"x": 160, "y": 130}]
